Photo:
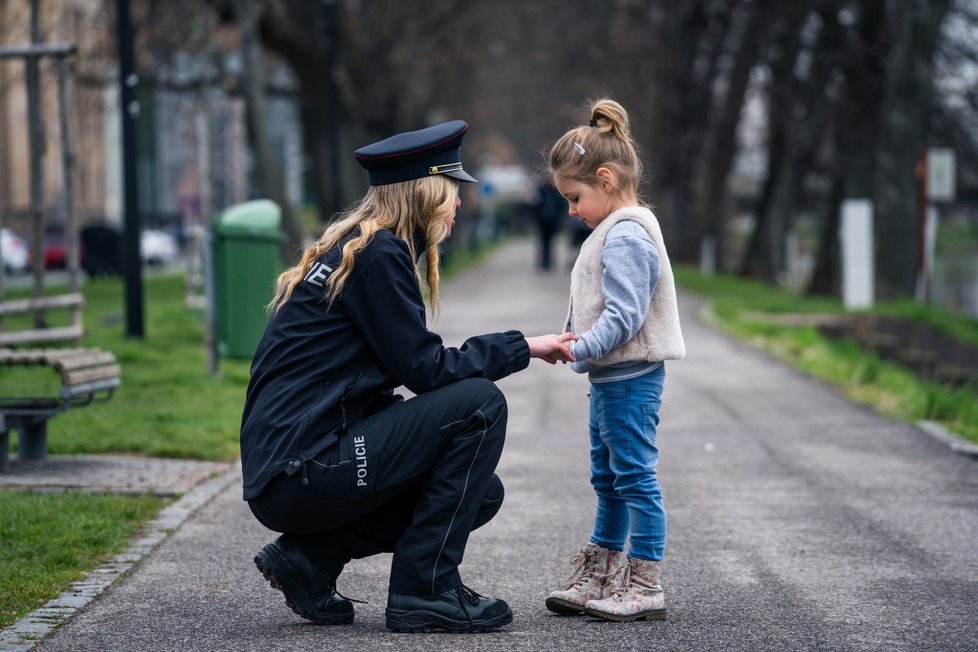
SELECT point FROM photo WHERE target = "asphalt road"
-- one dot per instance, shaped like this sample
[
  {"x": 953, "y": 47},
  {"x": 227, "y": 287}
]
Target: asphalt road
[{"x": 797, "y": 520}]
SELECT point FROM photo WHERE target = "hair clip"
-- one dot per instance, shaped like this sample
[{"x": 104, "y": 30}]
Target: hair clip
[
  {"x": 579, "y": 148},
  {"x": 594, "y": 123}
]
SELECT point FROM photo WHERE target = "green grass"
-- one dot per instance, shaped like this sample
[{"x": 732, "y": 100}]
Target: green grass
[
  {"x": 860, "y": 375},
  {"x": 48, "y": 540}
]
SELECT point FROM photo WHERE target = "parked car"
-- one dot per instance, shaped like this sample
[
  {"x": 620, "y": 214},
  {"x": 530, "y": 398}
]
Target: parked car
[
  {"x": 102, "y": 244},
  {"x": 14, "y": 252},
  {"x": 158, "y": 247},
  {"x": 56, "y": 247}
]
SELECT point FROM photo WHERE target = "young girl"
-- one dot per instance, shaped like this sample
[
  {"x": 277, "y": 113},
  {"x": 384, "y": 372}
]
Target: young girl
[{"x": 623, "y": 308}]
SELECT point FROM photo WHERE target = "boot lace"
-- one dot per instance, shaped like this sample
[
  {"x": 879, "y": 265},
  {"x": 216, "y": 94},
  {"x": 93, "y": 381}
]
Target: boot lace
[
  {"x": 333, "y": 591},
  {"x": 584, "y": 563},
  {"x": 465, "y": 594},
  {"x": 623, "y": 579},
  {"x": 468, "y": 594}
]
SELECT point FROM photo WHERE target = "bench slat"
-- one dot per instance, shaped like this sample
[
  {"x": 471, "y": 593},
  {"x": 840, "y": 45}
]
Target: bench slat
[
  {"x": 86, "y": 375},
  {"x": 72, "y": 391},
  {"x": 80, "y": 361},
  {"x": 43, "y": 335},
  {"x": 19, "y": 306},
  {"x": 62, "y": 358}
]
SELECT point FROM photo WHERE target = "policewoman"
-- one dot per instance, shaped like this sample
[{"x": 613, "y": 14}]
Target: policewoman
[{"x": 332, "y": 458}]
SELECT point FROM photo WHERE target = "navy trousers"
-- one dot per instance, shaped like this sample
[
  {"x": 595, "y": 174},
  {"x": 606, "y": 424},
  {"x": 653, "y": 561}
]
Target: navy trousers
[{"x": 413, "y": 480}]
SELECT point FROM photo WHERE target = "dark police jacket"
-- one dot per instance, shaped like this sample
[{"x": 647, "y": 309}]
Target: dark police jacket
[{"x": 319, "y": 366}]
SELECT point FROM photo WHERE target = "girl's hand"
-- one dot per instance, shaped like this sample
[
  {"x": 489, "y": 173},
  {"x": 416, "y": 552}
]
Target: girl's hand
[{"x": 551, "y": 348}]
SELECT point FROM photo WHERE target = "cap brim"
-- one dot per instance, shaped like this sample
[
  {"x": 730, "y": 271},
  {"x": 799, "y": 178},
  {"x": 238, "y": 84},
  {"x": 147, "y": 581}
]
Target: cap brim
[{"x": 461, "y": 175}]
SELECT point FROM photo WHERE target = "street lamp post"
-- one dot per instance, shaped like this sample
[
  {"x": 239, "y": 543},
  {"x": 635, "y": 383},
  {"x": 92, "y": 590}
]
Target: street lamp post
[{"x": 132, "y": 263}]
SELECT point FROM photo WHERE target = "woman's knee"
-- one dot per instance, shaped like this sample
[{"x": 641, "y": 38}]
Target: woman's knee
[
  {"x": 492, "y": 501},
  {"x": 486, "y": 399},
  {"x": 484, "y": 391}
]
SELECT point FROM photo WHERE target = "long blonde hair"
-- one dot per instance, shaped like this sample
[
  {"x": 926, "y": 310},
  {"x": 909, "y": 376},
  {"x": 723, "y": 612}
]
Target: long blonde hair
[
  {"x": 404, "y": 208},
  {"x": 607, "y": 142}
]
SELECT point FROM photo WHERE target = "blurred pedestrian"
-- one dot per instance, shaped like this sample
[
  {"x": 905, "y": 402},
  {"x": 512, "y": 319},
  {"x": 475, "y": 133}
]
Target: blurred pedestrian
[
  {"x": 337, "y": 462},
  {"x": 623, "y": 307},
  {"x": 550, "y": 210}
]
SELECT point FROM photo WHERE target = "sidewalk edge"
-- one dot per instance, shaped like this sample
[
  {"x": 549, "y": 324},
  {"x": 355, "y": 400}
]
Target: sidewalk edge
[
  {"x": 25, "y": 633},
  {"x": 957, "y": 444}
]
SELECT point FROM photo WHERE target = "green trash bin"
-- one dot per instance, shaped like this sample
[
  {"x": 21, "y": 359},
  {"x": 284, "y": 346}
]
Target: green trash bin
[{"x": 247, "y": 261}]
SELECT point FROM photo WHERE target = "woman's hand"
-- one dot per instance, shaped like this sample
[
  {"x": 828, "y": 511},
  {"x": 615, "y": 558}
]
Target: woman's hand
[{"x": 552, "y": 348}]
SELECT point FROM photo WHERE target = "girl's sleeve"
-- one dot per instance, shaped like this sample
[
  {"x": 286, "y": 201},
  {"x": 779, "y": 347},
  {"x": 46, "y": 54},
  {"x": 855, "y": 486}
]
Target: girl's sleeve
[
  {"x": 629, "y": 277},
  {"x": 384, "y": 302}
]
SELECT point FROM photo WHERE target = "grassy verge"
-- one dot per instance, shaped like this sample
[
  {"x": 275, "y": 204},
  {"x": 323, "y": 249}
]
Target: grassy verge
[
  {"x": 49, "y": 540},
  {"x": 862, "y": 376}
]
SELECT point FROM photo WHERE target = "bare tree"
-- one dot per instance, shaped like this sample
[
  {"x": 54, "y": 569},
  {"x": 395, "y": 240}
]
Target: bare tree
[
  {"x": 763, "y": 256},
  {"x": 908, "y": 97},
  {"x": 879, "y": 129}
]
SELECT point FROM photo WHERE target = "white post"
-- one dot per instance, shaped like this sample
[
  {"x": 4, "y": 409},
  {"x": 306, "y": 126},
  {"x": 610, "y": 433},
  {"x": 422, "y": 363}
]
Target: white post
[
  {"x": 708, "y": 255},
  {"x": 940, "y": 186},
  {"x": 856, "y": 235},
  {"x": 113, "y": 157},
  {"x": 293, "y": 166},
  {"x": 930, "y": 238}
]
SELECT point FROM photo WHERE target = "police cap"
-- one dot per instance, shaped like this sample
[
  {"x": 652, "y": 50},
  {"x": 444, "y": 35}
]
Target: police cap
[{"x": 416, "y": 154}]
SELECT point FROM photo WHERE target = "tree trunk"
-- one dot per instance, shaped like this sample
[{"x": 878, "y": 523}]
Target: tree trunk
[
  {"x": 718, "y": 154},
  {"x": 757, "y": 260},
  {"x": 907, "y": 95},
  {"x": 825, "y": 277},
  {"x": 855, "y": 135},
  {"x": 763, "y": 257},
  {"x": 268, "y": 170}
]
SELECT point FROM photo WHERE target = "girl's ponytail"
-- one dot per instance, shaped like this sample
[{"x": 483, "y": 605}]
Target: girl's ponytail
[{"x": 610, "y": 116}]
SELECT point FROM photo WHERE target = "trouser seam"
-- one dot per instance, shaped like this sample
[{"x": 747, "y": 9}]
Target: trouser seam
[{"x": 465, "y": 486}]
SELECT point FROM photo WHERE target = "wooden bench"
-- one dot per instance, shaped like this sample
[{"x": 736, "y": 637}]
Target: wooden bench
[{"x": 87, "y": 375}]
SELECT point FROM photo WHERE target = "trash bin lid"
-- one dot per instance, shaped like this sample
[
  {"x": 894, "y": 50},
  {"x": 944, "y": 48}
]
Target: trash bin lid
[{"x": 258, "y": 217}]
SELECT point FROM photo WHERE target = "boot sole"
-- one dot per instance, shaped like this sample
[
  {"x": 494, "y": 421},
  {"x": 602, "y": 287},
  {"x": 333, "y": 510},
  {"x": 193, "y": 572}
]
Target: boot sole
[
  {"x": 564, "y": 607},
  {"x": 652, "y": 614},
  {"x": 418, "y": 622},
  {"x": 265, "y": 564}
]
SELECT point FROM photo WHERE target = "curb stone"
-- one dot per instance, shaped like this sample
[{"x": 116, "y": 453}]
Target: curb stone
[
  {"x": 957, "y": 444},
  {"x": 24, "y": 634}
]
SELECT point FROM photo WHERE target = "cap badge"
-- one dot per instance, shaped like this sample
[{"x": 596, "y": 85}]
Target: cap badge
[{"x": 447, "y": 167}]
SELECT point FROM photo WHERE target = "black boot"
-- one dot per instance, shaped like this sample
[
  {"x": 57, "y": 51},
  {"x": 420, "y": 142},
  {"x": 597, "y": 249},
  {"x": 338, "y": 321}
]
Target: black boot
[
  {"x": 459, "y": 610},
  {"x": 307, "y": 591}
]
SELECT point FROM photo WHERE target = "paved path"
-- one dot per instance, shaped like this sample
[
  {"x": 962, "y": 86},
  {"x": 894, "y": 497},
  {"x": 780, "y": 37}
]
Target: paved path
[
  {"x": 797, "y": 520},
  {"x": 110, "y": 473}
]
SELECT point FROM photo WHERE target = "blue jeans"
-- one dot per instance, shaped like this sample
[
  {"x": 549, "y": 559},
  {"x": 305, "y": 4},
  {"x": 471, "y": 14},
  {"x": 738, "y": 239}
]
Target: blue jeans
[{"x": 623, "y": 421}]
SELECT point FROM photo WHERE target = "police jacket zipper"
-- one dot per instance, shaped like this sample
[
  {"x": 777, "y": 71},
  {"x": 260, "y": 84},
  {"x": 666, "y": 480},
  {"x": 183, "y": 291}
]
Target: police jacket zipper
[{"x": 349, "y": 389}]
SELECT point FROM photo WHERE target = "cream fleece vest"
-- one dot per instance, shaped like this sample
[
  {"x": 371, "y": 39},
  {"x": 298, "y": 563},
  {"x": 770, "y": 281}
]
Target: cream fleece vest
[{"x": 660, "y": 337}]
